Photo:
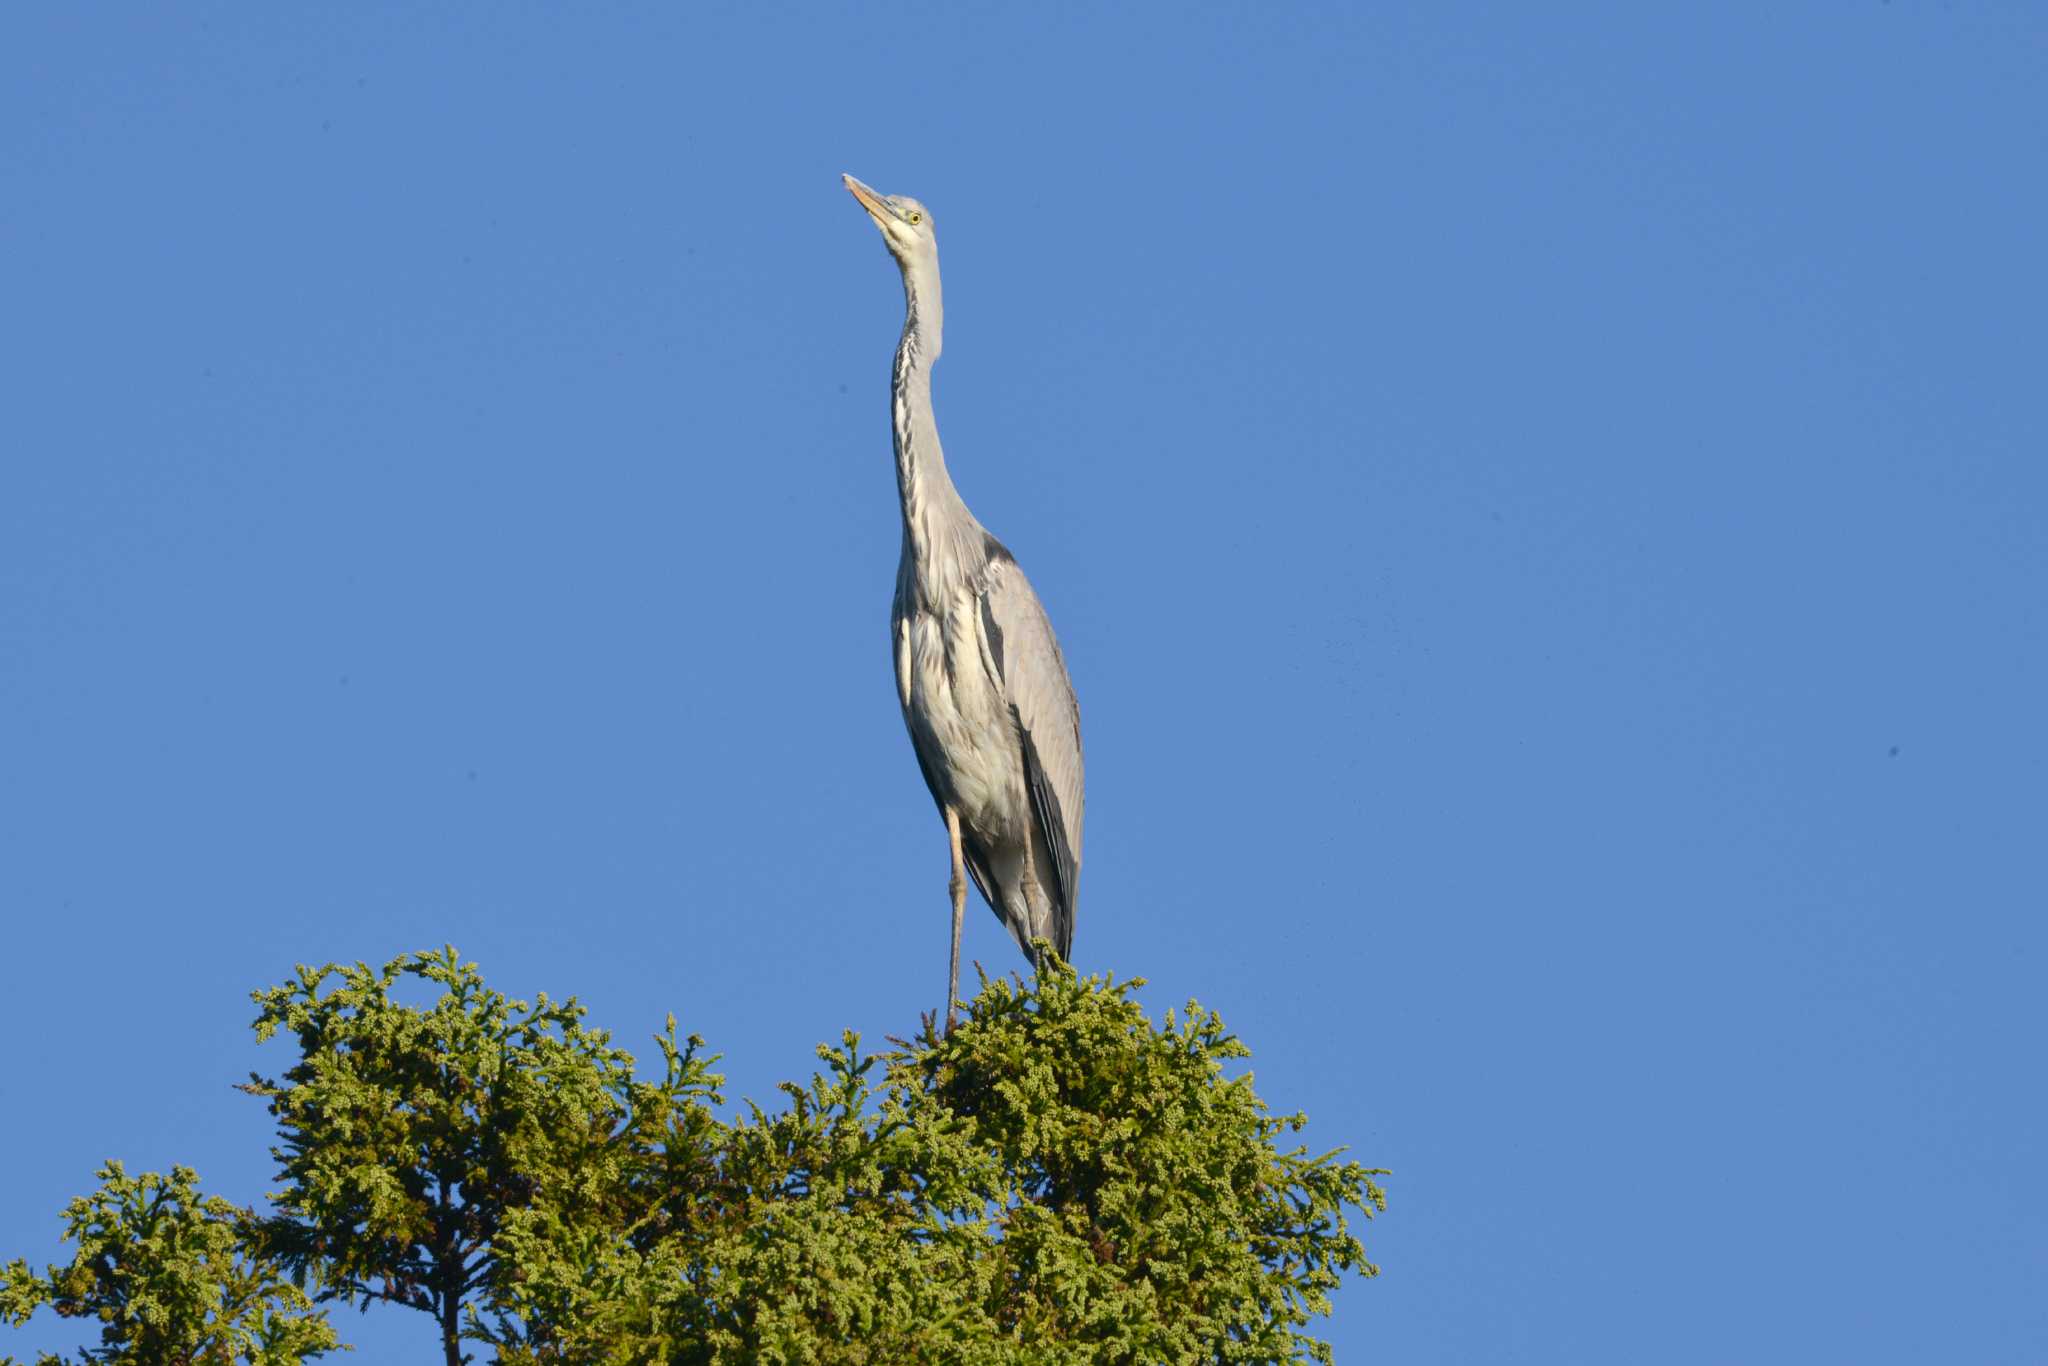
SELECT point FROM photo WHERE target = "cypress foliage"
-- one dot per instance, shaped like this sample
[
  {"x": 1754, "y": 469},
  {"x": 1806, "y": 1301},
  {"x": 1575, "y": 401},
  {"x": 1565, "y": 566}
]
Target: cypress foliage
[{"x": 1062, "y": 1179}]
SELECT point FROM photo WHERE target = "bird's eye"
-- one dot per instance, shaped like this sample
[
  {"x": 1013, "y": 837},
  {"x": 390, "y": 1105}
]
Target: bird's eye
[{"x": 915, "y": 218}]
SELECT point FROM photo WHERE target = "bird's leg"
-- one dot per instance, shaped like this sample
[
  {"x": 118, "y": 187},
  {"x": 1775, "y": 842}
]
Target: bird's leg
[
  {"x": 958, "y": 887},
  {"x": 1034, "y": 897}
]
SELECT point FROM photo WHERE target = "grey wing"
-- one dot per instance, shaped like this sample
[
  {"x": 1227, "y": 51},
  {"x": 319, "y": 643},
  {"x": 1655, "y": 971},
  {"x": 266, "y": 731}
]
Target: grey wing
[{"x": 1033, "y": 674}]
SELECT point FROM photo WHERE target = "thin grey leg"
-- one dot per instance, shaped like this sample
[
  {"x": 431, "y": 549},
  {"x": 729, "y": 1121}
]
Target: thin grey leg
[
  {"x": 958, "y": 886},
  {"x": 1034, "y": 898}
]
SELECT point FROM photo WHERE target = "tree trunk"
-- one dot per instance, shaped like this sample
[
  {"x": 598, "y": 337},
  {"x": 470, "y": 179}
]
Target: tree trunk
[
  {"x": 448, "y": 1267},
  {"x": 451, "y": 1329}
]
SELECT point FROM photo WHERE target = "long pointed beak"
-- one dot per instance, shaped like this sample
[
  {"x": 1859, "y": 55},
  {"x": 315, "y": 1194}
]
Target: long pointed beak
[{"x": 869, "y": 200}]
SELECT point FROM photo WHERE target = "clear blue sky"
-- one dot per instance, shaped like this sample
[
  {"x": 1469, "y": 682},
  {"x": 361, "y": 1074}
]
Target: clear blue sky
[{"x": 1544, "y": 506}]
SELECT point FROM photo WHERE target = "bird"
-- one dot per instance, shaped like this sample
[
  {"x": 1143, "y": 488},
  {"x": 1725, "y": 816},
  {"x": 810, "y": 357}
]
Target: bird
[{"x": 986, "y": 698}]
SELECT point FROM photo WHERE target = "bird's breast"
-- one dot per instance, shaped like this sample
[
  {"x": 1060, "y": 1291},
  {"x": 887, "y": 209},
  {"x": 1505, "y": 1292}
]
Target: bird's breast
[{"x": 958, "y": 714}]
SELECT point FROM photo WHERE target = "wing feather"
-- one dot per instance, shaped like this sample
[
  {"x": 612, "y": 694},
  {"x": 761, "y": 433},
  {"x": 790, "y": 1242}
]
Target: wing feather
[{"x": 1034, "y": 678}]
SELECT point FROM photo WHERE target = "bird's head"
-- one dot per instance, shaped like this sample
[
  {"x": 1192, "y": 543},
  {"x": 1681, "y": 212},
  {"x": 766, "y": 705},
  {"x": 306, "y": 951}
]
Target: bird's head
[{"x": 906, "y": 225}]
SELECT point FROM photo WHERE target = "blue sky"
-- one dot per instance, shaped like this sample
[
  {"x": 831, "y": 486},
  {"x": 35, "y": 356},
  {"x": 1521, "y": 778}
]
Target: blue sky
[{"x": 1543, "y": 506}]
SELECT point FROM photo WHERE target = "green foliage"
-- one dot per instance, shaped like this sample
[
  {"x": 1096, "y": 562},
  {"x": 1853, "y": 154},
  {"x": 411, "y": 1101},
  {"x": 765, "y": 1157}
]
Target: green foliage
[
  {"x": 1060, "y": 1179},
  {"x": 167, "y": 1273},
  {"x": 407, "y": 1134}
]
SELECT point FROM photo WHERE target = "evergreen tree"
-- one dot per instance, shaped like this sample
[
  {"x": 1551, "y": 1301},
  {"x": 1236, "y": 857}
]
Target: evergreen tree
[
  {"x": 171, "y": 1276},
  {"x": 1060, "y": 1179}
]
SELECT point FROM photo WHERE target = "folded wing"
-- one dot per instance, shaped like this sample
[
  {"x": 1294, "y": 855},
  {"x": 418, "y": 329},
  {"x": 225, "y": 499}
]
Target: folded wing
[{"x": 1034, "y": 679}]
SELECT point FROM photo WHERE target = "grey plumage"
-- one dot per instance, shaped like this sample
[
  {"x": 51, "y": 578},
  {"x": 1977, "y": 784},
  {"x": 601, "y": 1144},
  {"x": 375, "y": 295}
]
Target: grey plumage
[{"x": 985, "y": 693}]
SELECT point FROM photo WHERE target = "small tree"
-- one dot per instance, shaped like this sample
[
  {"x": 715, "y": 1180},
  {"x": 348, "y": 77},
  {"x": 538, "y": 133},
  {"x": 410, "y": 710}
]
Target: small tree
[
  {"x": 1057, "y": 1180},
  {"x": 168, "y": 1273},
  {"x": 408, "y": 1134},
  {"x": 1146, "y": 1211},
  {"x": 1060, "y": 1179}
]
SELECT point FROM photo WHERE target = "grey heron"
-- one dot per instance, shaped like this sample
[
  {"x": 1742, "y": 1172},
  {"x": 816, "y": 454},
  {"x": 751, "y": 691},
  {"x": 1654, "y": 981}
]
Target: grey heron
[{"x": 985, "y": 694}]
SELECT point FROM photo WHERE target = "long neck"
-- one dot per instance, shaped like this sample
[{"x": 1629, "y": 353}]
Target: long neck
[{"x": 939, "y": 533}]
